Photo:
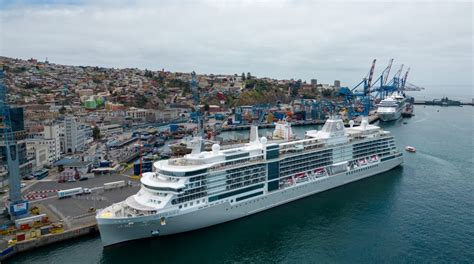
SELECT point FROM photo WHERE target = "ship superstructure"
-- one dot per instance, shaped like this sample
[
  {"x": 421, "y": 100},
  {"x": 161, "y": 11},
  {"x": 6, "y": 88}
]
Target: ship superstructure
[
  {"x": 391, "y": 108},
  {"x": 207, "y": 188}
]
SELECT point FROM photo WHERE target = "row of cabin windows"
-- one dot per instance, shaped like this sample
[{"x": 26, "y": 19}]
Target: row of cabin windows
[
  {"x": 191, "y": 203},
  {"x": 313, "y": 154}
]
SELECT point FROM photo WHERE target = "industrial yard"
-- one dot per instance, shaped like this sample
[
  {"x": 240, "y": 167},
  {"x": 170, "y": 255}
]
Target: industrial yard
[{"x": 55, "y": 217}]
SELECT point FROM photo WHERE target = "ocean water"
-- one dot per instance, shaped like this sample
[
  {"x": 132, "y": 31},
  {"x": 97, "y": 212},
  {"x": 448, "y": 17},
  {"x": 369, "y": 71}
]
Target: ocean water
[{"x": 420, "y": 212}]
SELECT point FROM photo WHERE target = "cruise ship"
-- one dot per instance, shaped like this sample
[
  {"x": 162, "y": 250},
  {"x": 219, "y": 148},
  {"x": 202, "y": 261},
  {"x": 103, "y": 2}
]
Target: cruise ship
[
  {"x": 391, "y": 108},
  {"x": 207, "y": 188}
]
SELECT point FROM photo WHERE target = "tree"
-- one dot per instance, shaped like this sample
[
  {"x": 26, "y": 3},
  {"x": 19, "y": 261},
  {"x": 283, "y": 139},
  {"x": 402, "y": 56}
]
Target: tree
[
  {"x": 295, "y": 87},
  {"x": 249, "y": 76},
  {"x": 96, "y": 133},
  {"x": 243, "y": 76},
  {"x": 326, "y": 92}
]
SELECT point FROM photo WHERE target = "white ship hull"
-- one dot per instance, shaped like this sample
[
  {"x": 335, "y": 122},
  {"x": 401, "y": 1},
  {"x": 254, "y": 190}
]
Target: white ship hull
[
  {"x": 117, "y": 230},
  {"x": 390, "y": 116}
]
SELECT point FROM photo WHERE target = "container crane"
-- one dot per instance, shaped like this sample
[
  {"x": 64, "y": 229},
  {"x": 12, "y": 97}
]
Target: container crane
[
  {"x": 387, "y": 72},
  {"x": 17, "y": 207},
  {"x": 404, "y": 80},
  {"x": 363, "y": 96}
]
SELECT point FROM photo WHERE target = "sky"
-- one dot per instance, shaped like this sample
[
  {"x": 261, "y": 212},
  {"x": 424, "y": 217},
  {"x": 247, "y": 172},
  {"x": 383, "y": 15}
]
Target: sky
[{"x": 283, "y": 39}]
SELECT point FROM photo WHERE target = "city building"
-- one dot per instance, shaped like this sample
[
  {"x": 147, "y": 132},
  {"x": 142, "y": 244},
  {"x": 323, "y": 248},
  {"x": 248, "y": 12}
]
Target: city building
[
  {"x": 19, "y": 134},
  {"x": 107, "y": 130},
  {"x": 76, "y": 135},
  {"x": 39, "y": 153},
  {"x": 137, "y": 114}
]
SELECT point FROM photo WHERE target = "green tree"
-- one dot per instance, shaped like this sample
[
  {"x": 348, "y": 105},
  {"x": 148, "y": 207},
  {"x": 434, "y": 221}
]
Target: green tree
[
  {"x": 243, "y": 76},
  {"x": 249, "y": 76},
  {"x": 96, "y": 133},
  {"x": 326, "y": 92}
]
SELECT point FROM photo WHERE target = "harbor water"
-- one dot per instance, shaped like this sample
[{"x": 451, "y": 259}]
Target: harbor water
[{"x": 421, "y": 212}]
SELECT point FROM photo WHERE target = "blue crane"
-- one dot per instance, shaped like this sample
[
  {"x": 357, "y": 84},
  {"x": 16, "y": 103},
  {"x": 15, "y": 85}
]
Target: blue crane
[
  {"x": 17, "y": 207},
  {"x": 363, "y": 97},
  {"x": 384, "y": 88}
]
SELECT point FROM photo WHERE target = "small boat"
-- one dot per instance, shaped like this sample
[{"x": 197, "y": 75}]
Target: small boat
[{"x": 410, "y": 149}]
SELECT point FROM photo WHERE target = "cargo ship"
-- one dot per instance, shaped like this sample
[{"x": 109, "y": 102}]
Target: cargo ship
[{"x": 206, "y": 188}]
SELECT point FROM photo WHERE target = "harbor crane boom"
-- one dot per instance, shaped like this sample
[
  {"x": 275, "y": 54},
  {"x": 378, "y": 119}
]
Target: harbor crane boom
[
  {"x": 404, "y": 80},
  {"x": 371, "y": 74},
  {"x": 386, "y": 72}
]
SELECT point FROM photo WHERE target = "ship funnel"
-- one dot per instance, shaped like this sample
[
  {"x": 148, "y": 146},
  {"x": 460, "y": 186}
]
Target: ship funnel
[
  {"x": 364, "y": 122},
  {"x": 197, "y": 145},
  {"x": 253, "y": 134}
]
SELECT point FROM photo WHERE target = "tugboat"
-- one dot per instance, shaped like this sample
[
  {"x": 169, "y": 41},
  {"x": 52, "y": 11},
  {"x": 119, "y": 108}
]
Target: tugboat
[{"x": 410, "y": 149}]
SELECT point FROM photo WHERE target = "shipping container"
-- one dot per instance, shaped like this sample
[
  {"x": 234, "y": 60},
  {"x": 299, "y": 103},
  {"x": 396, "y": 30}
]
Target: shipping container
[
  {"x": 219, "y": 116},
  {"x": 174, "y": 127},
  {"x": 70, "y": 192},
  {"x": 30, "y": 220},
  {"x": 113, "y": 185},
  {"x": 45, "y": 230},
  {"x": 104, "y": 164},
  {"x": 279, "y": 115},
  {"x": 20, "y": 236}
]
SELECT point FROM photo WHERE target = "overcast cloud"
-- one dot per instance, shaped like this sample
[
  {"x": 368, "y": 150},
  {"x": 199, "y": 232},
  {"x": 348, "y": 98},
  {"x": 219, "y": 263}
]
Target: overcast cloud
[{"x": 280, "y": 39}]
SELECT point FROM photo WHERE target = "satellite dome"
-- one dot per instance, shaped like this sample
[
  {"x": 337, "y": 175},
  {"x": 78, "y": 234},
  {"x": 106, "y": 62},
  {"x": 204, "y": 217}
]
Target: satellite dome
[
  {"x": 351, "y": 123},
  {"x": 215, "y": 148}
]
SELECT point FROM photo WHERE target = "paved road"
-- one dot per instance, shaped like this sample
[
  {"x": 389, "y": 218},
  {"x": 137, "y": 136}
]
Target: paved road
[
  {"x": 74, "y": 207},
  {"x": 79, "y": 205}
]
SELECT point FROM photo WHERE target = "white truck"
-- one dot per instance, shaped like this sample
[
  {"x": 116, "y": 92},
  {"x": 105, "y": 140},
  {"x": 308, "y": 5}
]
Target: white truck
[
  {"x": 73, "y": 191},
  {"x": 114, "y": 185}
]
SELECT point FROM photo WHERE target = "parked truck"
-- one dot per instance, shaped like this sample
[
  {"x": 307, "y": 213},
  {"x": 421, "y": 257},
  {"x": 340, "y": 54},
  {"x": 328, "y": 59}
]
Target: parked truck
[
  {"x": 114, "y": 185},
  {"x": 73, "y": 191}
]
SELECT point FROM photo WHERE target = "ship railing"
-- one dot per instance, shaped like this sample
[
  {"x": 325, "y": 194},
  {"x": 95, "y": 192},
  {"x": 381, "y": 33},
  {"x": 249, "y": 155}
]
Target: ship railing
[
  {"x": 236, "y": 165},
  {"x": 131, "y": 212},
  {"x": 184, "y": 162}
]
